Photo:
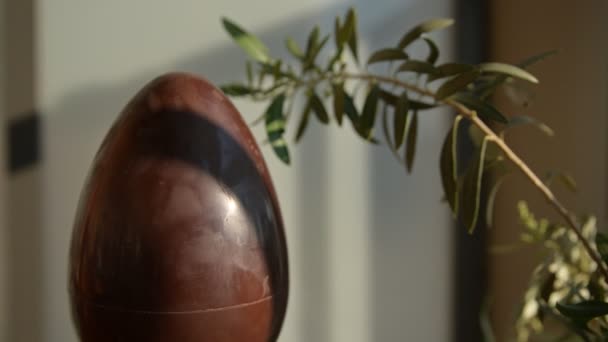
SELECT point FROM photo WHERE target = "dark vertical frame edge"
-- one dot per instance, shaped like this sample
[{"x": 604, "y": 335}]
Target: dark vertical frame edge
[{"x": 470, "y": 252}]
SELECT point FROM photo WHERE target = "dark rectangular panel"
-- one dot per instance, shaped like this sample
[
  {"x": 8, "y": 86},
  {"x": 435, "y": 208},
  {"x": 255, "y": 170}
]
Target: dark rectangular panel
[{"x": 23, "y": 142}]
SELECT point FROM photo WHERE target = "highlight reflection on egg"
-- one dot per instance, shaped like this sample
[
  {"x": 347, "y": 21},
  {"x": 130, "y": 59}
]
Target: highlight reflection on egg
[{"x": 178, "y": 236}]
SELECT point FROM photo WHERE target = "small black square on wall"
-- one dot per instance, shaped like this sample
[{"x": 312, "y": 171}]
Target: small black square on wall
[{"x": 23, "y": 142}]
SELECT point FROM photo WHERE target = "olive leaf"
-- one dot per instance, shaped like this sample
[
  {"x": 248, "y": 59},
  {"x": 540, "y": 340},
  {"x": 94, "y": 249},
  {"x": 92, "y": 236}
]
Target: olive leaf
[
  {"x": 385, "y": 129},
  {"x": 338, "y": 101},
  {"x": 248, "y": 42},
  {"x": 456, "y": 84},
  {"x": 471, "y": 189},
  {"x": 388, "y": 54},
  {"x": 312, "y": 41},
  {"x": 448, "y": 166},
  {"x": 350, "y": 28},
  {"x": 368, "y": 115},
  {"x": 493, "y": 152},
  {"x": 304, "y": 120},
  {"x": 319, "y": 108},
  {"x": 427, "y": 26},
  {"x": 275, "y": 127},
  {"x": 484, "y": 109},
  {"x": 400, "y": 119},
  {"x": 338, "y": 35},
  {"x": 417, "y": 66},
  {"x": 563, "y": 177},
  {"x": 313, "y": 47},
  {"x": 487, "y": 89},
  {"x": 249, "y": 70},
  {"x": 450, "y": 69},
  {"x": 519, "y": 120},
  {"x": 391, "y": 100},
  {"x": 583, "y": 311},
  {"x": 236, "y": 89},
  {"x": 433, "y": 50},
  {"x": 412, "y": 137},
  {"x": 508, "y": 70},
  {"x": 350, "y": 109},
  {"x": 294, "y": 48},
  {"x": 499, "y": 174},
  {"x": 536, "y": 58}
]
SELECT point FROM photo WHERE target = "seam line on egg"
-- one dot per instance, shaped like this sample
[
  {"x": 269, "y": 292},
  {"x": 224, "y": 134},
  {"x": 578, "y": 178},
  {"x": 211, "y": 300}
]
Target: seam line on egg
[{"x": 151, "y": 312}]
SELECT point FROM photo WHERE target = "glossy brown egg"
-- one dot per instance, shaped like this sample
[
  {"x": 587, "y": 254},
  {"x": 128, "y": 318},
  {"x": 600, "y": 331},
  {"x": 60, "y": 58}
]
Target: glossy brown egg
[{"x": 178, "y": 236}]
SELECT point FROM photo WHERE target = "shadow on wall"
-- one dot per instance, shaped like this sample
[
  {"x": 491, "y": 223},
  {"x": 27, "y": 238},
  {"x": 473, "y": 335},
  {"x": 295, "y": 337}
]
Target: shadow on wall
[
  {"x": 76, "y": 124},
  {"x": 410, "y": 229}
]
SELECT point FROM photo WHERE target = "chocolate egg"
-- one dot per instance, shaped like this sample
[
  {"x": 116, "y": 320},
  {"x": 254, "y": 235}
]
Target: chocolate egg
[{"x": 178, "y": 236}]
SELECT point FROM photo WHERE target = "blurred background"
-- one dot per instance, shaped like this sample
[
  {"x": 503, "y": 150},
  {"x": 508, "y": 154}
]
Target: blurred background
[{"x": 374, "y": 254}]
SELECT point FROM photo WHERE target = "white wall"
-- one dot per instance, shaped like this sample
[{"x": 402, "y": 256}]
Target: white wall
[{"x": 369, "y": 247}]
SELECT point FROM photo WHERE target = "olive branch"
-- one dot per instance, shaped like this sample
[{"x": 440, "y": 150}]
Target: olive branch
[{"x": 392, "y": 104}]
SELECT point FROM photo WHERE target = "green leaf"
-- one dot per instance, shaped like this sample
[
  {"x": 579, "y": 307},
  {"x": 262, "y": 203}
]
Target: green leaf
[
  {"x": 471, "y": 189},
  {"x": 385, "y": 130},
  {"x": 313, "y": 47},
  {"x": 368, "y": 115},
  {"x": 412, "y": 137},
  {"x": 236, "y": 90},
  {"x": 507, "y": 69},
  {"x": 304, "y": 120},
  {"x": 448, "y": 166},
  {"x": 313, "y": 40},
  {"x": 450, "y": 69},
  {"x": 417, "y": 66},
  {"x": 309, "y": 61},
  {"x": 536, "y": 58},
  {"x": 601, "y": 241},
  {"x": 499, "y": 175},
  {"x": 562, "y": 176},
  {"x": 456, "y": 84},
  {"x": 275, "y": 127},
  {"x": 391, "y": 99},
  {"x": 350, "y": 109},
  {"x": 419, "y": 105},
  {"x": 476, "y": 135},
  {"x": 350, "y": 25},
  {"x": 343, "y": 33},
  {"x": 272, "y": 89},
  {"x": 338, "y": 96},
  {"x": 248, "y": 42},
  {"x": 483, "y": 109},
  {"x": 319, "y": 108},
  {"x": 400, "y": 119},
  {"x": 427, "y": 26},
  {"x": 276, "y": 70},
  {"x": 338, "y": 38},
  {"x": 493, "y": 152},
  {"x": 293, "y": 48},
  {"x": 519, "y": 120},
  {"x": 388, "y": 97},
  {"x": 433, "y": 51},
  {"x": 583, "y": 311},
  {"x": 249, "y": 70},
  {"x": 487, "y": 89},
  {"x": 388, "y": 54}
]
